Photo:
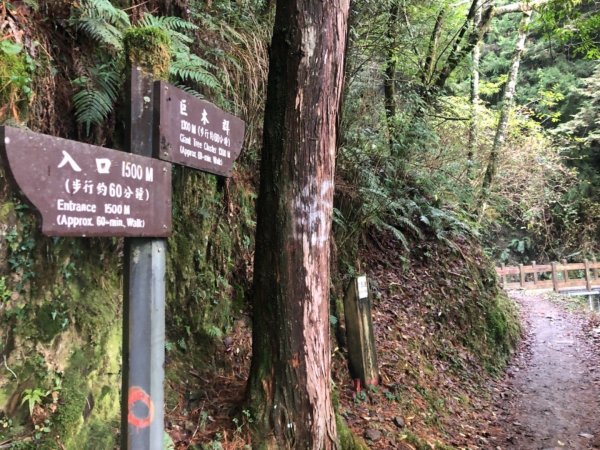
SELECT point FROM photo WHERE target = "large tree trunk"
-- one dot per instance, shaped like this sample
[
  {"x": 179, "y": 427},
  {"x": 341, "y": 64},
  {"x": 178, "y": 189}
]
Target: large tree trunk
[
  {"x": 507, "y": 104},
  {"x": 289, "y": 386}
]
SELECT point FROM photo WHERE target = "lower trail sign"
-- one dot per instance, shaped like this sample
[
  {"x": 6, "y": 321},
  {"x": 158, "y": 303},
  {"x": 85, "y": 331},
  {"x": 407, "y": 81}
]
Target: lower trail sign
[{"x": 85, "y": 190}]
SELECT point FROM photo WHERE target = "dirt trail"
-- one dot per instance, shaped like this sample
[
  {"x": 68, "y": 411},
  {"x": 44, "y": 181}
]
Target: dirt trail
[{"x": 551, "y": 397}]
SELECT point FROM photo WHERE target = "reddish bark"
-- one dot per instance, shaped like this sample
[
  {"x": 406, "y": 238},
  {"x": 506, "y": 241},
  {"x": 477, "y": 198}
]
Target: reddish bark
[{"x": 289, "y": 385}]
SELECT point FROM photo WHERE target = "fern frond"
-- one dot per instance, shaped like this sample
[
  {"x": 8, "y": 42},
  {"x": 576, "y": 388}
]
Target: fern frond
[
  {"x": 100, "y": 20},
  {"x": 95, "y": 101},
  {"x": 194, "y": 69},
  {"x": 175, "y": 27},
  {"x": 168, "y": 22},
  {"x": 406, "y": 222},
  {"x": 102, "y": 32},
  {"x": 106, "y": 11},
  {"x": 339, "y": 219},
  {"x": 397, "y": 234}
]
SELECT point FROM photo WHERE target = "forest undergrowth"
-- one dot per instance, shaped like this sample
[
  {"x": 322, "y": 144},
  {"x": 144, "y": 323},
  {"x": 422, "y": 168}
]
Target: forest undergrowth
[
  {"x": 408, "y": 212},
  {"x": 443, "y": 331}
]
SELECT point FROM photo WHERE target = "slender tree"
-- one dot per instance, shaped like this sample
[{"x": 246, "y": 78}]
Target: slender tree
[
  {"x": 390, "y": 72},
  {"x": 289, "y": 384},
  {"x": 507, "y": 104},
  {"x": 473, "y": 135}
]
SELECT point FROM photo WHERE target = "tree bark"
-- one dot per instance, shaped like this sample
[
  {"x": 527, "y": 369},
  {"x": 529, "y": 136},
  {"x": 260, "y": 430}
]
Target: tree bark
[
  {"x": 526, "y": 6},
  {"x": 473, "y": 135},
  {"x": 431, "y": 59},
  {"x": 464, "y": 45},
  {"x": 507, "y": 104},
  {"x": 389, "y": 90},
  {"x": 289, "y": 386}
]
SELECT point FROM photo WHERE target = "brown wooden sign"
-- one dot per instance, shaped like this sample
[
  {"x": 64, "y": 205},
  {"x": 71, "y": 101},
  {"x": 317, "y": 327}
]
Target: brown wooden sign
[
  {"x": 85, "y": 190},
  {"x": 196, "y": 133}
]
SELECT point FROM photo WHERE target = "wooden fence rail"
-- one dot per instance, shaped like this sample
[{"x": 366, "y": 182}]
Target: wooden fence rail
[{"x": 555, "y": 276}]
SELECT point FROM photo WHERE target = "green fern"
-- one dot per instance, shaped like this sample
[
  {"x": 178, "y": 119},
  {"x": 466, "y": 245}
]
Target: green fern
[
  {"x": 107, "y": 25},
  {"x": 104, "y": 23},
  {"x": 397, "y": 234},
  {"x": 186, "y": 66},
  {"x": 191, "y": 68},
  {"x": 175, "y": 27},
  {"x": 99, "y": 92},
  {"x": 189, "y": 90}
]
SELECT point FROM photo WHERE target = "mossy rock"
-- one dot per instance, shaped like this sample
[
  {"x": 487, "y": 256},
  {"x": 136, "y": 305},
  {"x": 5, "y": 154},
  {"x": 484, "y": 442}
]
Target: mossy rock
[
  {"x": 149, "y": 47},
  {"x": 348, "y": 441}
]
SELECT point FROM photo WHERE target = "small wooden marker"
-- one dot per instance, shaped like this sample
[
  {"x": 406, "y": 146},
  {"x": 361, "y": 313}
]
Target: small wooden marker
[{"x": 359, "y": 330}]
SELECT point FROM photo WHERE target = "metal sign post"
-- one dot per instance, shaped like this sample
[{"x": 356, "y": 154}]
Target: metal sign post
[
  {"x": 84, "y": 190},
  {"x": 142, "y": 414}
]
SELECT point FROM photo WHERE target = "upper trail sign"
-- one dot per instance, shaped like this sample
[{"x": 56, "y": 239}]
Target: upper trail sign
[
  {"x": 85, "y": 190},
  {"x": 196, "y": 133}
]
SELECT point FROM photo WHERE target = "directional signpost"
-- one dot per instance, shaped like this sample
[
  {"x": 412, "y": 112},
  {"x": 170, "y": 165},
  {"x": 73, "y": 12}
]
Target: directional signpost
[
  {"x": 85, "y": 190},
  {"x": 195, "y": 133}
]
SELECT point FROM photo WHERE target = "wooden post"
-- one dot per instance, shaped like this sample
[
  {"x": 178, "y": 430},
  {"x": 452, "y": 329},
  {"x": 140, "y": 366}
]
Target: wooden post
[
  {"x": 565, "y": 271},
  {"x": 554, "y": 277},
  {"x": 503, "y": 277},
  {"x": 359, "y": 330},
  {"x": 588, "y": 280},
  {"x": 535, "y": 274},
  {"x": 521, "y": 276}
]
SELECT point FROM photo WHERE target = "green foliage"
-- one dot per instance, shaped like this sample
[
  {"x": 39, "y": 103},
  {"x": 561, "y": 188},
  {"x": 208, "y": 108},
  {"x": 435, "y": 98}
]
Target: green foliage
[
  {"x": 15, "y": 79},
  {"x": 101, "y": 21},
  {"x": 5, "y": 292},
  {"x": 574, "y": 24},
  {"x": 33, "y": 397},
  {"x": 379, "y": 200},
  {"x": 98, "y": 94},
  {"x": 186, "y": 67},
  {"x": 159, "y": 44}
]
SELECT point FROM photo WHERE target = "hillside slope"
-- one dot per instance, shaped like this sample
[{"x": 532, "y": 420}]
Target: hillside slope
[{"x": 443, "y": 330}]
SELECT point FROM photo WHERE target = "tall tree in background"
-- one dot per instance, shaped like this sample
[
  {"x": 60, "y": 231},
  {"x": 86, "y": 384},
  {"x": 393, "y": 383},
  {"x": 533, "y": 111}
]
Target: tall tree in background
[
  {"x": 507, "y": 104},
  {"x": 289, "y": 384}
]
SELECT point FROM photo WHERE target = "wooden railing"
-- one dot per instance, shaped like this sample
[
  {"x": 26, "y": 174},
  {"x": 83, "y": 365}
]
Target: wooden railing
[{"x": 555, "y": 276}]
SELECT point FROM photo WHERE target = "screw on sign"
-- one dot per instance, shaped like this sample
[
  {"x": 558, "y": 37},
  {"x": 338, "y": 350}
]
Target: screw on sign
[{"x": 85, "y": 190}]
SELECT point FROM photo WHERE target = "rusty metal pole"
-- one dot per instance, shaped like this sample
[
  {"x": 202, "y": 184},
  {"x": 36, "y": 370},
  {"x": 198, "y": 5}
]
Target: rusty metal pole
[{"x": 142, "y": 396}]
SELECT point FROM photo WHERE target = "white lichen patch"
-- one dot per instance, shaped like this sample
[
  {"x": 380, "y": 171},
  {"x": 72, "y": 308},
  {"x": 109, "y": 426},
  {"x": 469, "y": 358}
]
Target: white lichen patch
[{"x": 312, "y": 210}]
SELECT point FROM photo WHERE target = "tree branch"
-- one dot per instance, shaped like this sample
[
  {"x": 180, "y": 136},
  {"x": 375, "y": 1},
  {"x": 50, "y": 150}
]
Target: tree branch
[{"x": 525, "y": 6}]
